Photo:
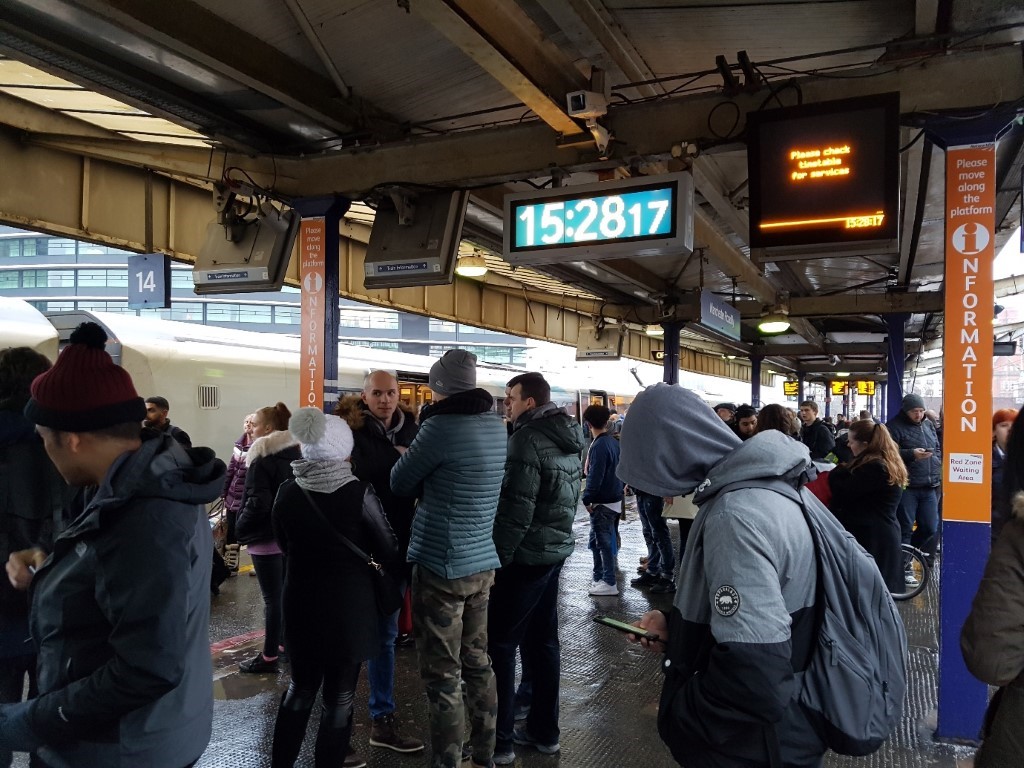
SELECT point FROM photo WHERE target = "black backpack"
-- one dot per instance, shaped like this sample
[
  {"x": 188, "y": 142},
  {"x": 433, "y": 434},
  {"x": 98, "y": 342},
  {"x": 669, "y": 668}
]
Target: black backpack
[{"x": 856, "y": 677}]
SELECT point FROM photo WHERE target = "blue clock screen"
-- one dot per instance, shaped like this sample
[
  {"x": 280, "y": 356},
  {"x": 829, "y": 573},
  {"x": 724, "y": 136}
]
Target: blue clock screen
[{"x": 639, "y": 215}]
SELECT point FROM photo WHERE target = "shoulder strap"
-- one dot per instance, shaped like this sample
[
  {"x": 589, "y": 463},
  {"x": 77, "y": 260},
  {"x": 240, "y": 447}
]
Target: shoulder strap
[
  {"x": 334, "y": 531},
  {"x": 783, "y": 488}
]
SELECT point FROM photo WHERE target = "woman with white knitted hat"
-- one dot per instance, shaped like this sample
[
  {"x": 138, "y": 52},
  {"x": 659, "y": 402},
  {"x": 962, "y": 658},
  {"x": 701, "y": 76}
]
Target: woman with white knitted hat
[{"x": 331, "y": 621}]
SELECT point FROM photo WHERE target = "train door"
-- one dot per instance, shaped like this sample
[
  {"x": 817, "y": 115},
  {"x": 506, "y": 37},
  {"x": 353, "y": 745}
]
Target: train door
[{"x": 413, "y": 390}]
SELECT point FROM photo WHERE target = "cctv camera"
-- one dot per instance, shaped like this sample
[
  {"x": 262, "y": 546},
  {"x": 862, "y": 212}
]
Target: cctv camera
[
  {"x": 586, "y": 104},
  {"x": 833, "y": 359},
  {"x": 602, "y": 137}
]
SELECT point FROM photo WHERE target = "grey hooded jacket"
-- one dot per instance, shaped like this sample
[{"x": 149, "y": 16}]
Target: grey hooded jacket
[{"x": 743, "y": 608}]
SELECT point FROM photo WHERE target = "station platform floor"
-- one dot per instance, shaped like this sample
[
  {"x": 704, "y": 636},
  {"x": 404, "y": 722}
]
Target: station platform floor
[{"x": 609, "y": 688}]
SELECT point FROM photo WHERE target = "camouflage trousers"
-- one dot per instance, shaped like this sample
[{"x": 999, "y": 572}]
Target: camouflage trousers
[{"x": 450, "y": 623}]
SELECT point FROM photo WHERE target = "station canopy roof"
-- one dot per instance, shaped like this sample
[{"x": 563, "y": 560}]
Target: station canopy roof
[{"x": 360, "y": 97}]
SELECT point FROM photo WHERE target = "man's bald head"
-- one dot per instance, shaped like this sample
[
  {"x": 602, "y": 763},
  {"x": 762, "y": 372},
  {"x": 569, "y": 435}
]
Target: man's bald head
[{"x": 380, "y": 393}]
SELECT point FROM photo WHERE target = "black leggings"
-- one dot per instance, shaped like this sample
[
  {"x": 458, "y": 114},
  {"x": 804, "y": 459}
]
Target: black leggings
[
  {"x": 309, "y": 672},
  {"x": 270, "y": 575}
]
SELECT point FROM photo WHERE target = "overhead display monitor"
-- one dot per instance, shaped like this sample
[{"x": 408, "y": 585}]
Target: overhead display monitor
[
  {"x": 419, "y": 249},
  {"x": 255, "y": 261},
  {"x": 648, "y": 216},
  {"x": 838, "y": 387},
  {"x": 824, "y": 176},
  {"x": 791, "y": 388},
  {"x": 866, "y": 388}
]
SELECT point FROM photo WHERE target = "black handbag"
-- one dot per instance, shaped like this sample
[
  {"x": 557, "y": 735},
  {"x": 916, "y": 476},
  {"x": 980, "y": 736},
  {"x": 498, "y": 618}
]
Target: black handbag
[{"x": 386, "y": 590}]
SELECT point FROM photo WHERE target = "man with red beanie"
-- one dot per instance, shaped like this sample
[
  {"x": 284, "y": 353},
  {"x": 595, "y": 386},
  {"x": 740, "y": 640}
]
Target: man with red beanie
[{"x": 120, "y": 608}]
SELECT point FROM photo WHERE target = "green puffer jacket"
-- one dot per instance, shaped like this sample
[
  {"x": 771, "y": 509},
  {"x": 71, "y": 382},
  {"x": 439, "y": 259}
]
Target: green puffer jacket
[
  {"x": 541, "y": 489},
  {"x": 455, "y": 466}
]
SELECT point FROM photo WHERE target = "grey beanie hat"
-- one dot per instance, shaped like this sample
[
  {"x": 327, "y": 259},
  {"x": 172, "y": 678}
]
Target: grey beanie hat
[
  {"x": 910, "y": 402},
  {"x": 455, "y": 372}
]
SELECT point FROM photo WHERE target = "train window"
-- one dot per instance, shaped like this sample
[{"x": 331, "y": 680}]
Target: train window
[{"x": 209, "y": 397}]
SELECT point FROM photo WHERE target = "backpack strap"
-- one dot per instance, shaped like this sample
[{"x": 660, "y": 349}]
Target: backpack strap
[{"x": 802, "y": 648}]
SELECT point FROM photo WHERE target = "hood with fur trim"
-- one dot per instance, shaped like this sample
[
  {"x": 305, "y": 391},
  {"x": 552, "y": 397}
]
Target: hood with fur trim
[
  {"x": 353, "y": 410},
  {"x": 270, "y": 444}
]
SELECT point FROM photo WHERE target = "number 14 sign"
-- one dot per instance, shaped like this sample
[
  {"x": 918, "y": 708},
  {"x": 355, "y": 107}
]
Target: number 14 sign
[{"x": 149, "y": 281}]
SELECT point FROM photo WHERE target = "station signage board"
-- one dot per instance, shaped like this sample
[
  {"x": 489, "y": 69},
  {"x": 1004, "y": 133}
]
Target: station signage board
[
  {"x": 647, "y": 216},
  {"x": 717, "y": 315},
  {"x": 312, "y": 276},
  {"x": 866, "y": 388},
  {"x": 837, "y": 387},
  {"x": 825, "y": 174},
  {"x": 791, "y": 388},
  {"x": 149, "y": 281}
]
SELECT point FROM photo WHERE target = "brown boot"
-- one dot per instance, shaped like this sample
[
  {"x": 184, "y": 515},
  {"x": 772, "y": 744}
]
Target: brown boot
[
  {"x": 385, "y": 734},
  {"x": 353, "y": 760}
]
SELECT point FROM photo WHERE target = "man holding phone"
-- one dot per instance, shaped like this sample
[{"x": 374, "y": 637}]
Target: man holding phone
[
  {"x": 746, "y": 588},
  {"x": 919, "y": 448}
]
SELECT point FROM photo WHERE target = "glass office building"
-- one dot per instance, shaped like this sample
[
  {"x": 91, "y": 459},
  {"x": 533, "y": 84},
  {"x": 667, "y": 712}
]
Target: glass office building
[{"x": 57, "y": 273}]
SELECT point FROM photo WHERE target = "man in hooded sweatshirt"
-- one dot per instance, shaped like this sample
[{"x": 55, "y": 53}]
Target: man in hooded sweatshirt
[
  {"x": 122, "y": 630},
  {"x": 744, "y": 605},
  {"x": 455, "y": 465}
]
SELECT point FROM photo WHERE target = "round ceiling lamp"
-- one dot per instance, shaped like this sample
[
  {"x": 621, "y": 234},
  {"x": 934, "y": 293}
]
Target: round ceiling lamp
[{"x": 471, "y": 265}]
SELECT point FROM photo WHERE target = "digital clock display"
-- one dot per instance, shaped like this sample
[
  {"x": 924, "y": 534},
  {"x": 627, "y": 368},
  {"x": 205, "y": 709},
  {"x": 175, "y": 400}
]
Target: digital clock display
[{"x": 631, "y": 217}]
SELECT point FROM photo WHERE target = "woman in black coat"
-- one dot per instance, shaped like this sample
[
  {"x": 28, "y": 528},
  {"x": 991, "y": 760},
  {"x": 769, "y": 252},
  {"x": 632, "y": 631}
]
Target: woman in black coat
[
  {"x": 330, "y": 609},
  {"x": 865, "y": 494}
]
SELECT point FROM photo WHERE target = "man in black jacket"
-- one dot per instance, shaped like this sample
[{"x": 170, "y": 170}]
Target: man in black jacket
[
  {"x": 814, "y": 434},
  {"x": 383, "y": 430},
  {"x": 122, "y": 630},
  {"x": 157, "y": 409},
  {"x": 533, "y": 535}
]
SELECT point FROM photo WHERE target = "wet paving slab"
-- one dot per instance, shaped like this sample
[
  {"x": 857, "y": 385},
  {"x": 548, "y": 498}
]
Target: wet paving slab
[{"x": 609, "y": 688}]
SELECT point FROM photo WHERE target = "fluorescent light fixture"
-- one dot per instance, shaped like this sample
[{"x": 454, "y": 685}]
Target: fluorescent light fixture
[
  {"x": 654, "y": 330},
  {"x": 843, "y": 374},
  {"x": 471, "y": 265}
]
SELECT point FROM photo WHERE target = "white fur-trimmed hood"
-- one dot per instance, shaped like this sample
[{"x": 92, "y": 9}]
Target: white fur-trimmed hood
[{"x": 268, "y": 445}]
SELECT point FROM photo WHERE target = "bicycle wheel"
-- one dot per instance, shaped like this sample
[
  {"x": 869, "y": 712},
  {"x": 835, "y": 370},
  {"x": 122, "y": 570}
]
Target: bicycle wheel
[{"x": 915, "y": 571}]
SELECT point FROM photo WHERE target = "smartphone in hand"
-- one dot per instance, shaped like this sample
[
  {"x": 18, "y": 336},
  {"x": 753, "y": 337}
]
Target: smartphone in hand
[{"x": 631, "y": 629}]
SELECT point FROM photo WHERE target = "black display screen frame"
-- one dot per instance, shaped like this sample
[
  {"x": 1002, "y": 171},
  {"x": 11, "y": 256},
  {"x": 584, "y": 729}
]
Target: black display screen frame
[{"x": 870, "y": 123}]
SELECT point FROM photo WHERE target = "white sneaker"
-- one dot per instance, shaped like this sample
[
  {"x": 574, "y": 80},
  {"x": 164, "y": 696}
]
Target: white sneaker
[{"x": 601, "y": 588}]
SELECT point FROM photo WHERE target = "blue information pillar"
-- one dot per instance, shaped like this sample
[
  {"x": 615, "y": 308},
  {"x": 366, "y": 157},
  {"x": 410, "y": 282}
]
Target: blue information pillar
[
  {"x": 755, "y": 380},
  {"x": 671, "y": 362},
  {"x": 329, "y": 210},
  {"x": 896, "y": 324}
]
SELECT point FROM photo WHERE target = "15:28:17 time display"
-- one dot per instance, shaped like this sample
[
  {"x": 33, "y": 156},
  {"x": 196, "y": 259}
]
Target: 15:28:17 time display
[{"x": 644, "y": 214}]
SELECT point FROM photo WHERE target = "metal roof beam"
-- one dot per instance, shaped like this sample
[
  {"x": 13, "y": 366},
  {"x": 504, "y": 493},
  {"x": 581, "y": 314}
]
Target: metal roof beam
[
  {"x": 853, "y": 304},
  {"x": 961, "y": 80},
  {"x": 201, "y": 35},
  {"x": 505, "y": 42}
]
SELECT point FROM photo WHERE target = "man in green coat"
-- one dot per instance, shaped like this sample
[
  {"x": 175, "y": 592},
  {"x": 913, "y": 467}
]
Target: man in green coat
[{"x": 533, "y": 536}]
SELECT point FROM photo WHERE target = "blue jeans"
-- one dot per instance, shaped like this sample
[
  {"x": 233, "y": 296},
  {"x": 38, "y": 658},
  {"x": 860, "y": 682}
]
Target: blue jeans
[
  {"x": 380, "y": 670},
  {"x": 922, "y": 505},
  {"x": 602, "y": 542},
  {"x": 661, "y": 557},
  {"x": 523, "y": 613}
]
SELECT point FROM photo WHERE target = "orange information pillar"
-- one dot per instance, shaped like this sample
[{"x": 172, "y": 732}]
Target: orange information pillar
[
  {"x": 967, "y": 423},
  {"x": 312, "y": 357}
]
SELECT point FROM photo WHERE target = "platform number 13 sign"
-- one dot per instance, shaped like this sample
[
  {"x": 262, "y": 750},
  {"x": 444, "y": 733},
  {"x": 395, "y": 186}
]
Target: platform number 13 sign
[{"x": 149, "y": 281}]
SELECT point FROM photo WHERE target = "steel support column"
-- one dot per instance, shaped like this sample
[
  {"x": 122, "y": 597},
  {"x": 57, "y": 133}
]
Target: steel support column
[
  {"x": 896, "y": 325},
  {"x": 800, "y": 397},
  {"x": 331, "y": 210},
  {"x": 671, "y": 342},
  {"x": 755, "y": 380}
]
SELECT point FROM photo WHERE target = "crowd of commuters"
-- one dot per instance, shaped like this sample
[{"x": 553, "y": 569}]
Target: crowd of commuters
[{"x": 322, "y": 502}]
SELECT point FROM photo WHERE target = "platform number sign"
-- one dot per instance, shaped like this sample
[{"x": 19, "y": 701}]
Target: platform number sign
[{"x": 149, "y": 281}]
